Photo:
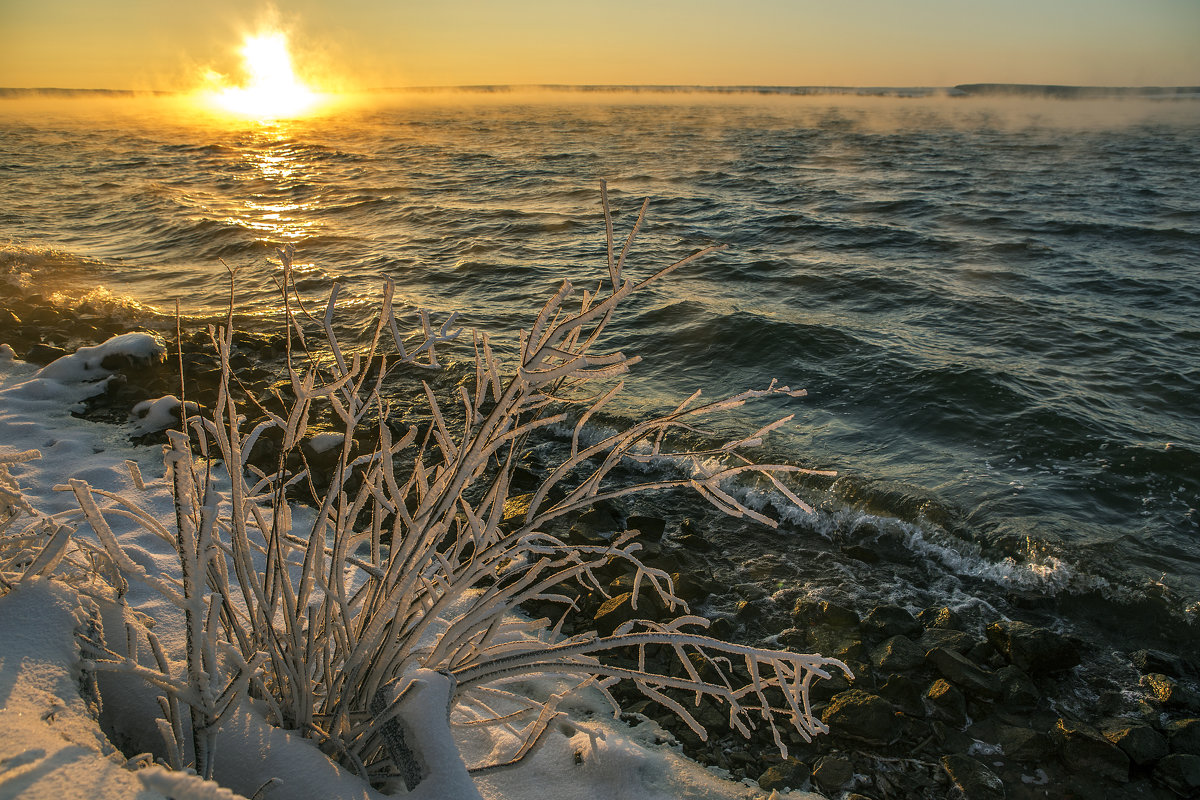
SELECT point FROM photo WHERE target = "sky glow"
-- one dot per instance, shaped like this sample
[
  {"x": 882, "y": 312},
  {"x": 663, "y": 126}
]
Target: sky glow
[{"x": 133, "y": 44}]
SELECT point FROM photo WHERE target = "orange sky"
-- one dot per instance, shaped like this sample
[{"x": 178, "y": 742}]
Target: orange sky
[{"x": 140, "y": 44}]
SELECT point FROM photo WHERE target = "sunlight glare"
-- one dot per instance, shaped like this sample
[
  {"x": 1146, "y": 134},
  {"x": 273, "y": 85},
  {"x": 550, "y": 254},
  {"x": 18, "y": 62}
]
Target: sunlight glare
[{"x": 272, "y": 90}]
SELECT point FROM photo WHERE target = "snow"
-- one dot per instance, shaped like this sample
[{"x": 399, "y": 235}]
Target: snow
[{"x": 51, "y": 746}]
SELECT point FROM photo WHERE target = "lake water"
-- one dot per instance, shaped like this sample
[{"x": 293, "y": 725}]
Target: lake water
[{"x": 994, "y": 304}]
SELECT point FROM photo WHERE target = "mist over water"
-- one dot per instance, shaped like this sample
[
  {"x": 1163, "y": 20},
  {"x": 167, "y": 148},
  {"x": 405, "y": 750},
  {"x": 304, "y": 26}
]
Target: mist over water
[{"x": 993, "y": 304}]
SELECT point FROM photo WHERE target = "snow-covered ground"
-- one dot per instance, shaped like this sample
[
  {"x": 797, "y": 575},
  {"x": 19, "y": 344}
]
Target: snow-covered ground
[{"x": 51, "y": 745}]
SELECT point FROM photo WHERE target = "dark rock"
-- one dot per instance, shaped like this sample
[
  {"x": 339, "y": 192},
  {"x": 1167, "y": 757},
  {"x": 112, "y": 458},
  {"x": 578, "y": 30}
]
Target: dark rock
[
  {"x": 691, "y": 588},
  {"x": 721, "y": 628},
  {"x": 1024, "y": 744},
  {"x": 1184, "y": 736},
  {"x": 823, "y": 612},
  {"x": 832, "y": 773},
  {"x": 1086, "y": 751},
  {"x": 1141, "y": 743},
  {"x": 790, "y": 774},
  {"x": 614, "y": 612},
  {"x": 695, "y": 543},
  {"x": 949, "y": 704},
  {"x": 1017, "y": 690},
  {"x": 1148, "y": 661},
  {"x": 8, "y": 318},
  {"x": 904, "y": 693},
  {"x": 1170, "y": 692},
  {"x": 843, "y": 643},
  {"x": 965, "y": 674},
  {"x": 1033, "y": 649},
  {"x": 651, "y": 527},
  {"x": 947, "y": 639},
  {"x": 859, "y": 715},
  {"x": 43, "y": 354},
  {"x": 884, "y": 622},
  {"x": 940, "y": 617},
  {"x": 898, "y": 654},
  {"x": 972, "y": 779},
  {"x": 1179, "y": 772},
  {"x": 1031, "y": 601},
  {"x": 860, "y": 553},
  {"x": 601, "y": 518}
]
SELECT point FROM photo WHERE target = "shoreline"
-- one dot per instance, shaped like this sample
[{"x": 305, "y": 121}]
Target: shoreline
[{"x": 933, "y": 688}]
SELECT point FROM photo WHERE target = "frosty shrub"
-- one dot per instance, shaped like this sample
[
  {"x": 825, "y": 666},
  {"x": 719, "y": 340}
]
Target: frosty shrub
[{"x": 373, "y": 617}]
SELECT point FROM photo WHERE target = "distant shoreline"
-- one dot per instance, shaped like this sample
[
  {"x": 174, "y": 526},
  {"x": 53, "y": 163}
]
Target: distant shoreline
[{"x": 965, "y": 90}]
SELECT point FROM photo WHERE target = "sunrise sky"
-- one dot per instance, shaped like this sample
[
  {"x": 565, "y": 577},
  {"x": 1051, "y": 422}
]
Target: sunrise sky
[{"x": 149, "y": 44}]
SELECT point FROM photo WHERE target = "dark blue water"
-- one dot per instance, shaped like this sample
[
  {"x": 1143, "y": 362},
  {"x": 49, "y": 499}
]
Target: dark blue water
[{"x": 993, "y": 304}]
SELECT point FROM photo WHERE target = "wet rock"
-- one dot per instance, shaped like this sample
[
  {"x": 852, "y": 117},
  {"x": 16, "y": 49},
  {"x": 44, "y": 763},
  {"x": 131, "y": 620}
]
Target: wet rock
[
  {"x": 691, "y": 588},
  {"x": 942, "y": 617},
  {"x": 843, "y": 643},
  {"x": 1086, "y": 751},
  {"x": 823, "y": 612},
  {"x": 1170, "y": 692},
  {"x": 8, "y": 318},
  {"x": 43, "y": 354},
  {"x": 1017, "y": 690},
  {"x": 1033, "y": 649},
  {"x": 1024, "y": 744},
  {"x": 898, "y": 654},
  {"x": 1148, "y": 661},
  {"x": 832, "y": 773},
  {"x": 972, "y": 779},
  {"x": 949, "y": 704},
  {"x": 790, "y": 774},
  {"x": 602, "y": 518},
  {"x": 964, "y": 673},
  {"x": 1179, "y": 772},
  {"x": 905, "y": 694},
  {"x": 884, "y": 622},
  {"x": 615, "y": 611},
  {"x": 651, "y": 527},
  {"x": 1184, "y": 736},
  {"x": 947, "y": 639},
  {"x": 859, "y": 715},
  {"x": 860, "y": 553},
  {"x": 1141, "y": 743},
  {"x": 694, "y": 542}
]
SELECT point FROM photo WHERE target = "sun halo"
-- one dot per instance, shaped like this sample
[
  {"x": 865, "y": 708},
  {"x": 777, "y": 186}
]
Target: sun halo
[{"x": 272, "y": 89}]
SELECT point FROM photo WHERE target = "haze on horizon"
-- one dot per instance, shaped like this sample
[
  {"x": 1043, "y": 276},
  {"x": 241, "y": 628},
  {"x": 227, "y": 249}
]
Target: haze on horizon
[{"x": 134, "y": 44}]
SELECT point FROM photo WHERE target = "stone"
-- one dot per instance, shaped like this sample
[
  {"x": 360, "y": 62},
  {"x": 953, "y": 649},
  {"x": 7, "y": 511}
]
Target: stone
[
  {"x": 883, "y": 622},
  {"x": 43, "y": 354},
  {"x": 947, "y": 639},
  {"x": 858, "y": 715},
  {"x": 1086, "y": 751},
  {"x": 823, "y": 612},
  {"x": 905, "y": 694},
  {"x": 691, "y": 588},
  {"x": 1170, "y": 692},
  {"x": 1148, "y": 661},
  {"x": 694, "y": 542},
  {"x": 1141, "y": 743},
  {"x": 860, "y": 553},
  {"x": 651, "y": 528},
  {"x": 942, "y": 617},
  {"x": 790, "y": 774},
  {"x": 832, "y": 773},
  {"x": 614, "y": 612},
  {"x": 843, "y": 643},
  {"x": 965, "y": 674},
  {"x": 949, "y": 704},
  {"x": 972, "y": 779},
  {"x": 1036, "y": 650},
  {"x": 898, "y": 654},
  {"x": 1017, "y": 690},
  {"x": 1184, "y": 736},
  {"x": 1024, "y": 744},
  {"x": 1179, "y": 772}
]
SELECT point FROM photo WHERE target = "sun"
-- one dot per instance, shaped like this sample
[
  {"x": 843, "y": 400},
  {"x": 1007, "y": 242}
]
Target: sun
[{"x": 272, "y": 89}]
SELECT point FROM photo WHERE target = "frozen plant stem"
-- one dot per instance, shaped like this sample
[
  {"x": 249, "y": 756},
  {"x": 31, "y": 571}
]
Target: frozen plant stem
[{"x": 408, "y": 564}]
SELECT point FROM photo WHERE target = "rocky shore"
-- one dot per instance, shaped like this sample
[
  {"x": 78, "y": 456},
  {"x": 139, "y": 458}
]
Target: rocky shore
[
  {"x": 941, "y": 705},
  {"x": 944, "y": 703}
]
